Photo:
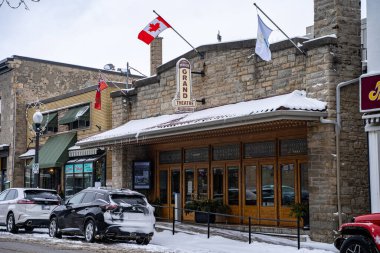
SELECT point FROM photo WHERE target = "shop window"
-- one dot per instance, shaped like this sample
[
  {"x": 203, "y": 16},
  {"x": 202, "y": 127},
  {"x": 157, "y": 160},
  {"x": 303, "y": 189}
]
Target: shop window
[
  {"x": 163, "y": 177},
  {"x": 233, "y": 185},
  {"x": 250, "y": 185},
  {"x": 260, "y": 149},
  {"x": 202, "y": 184},
  {"x": 170, "y": 157},
  {"x": 218, "y": 189},
  {"x": 293, "y": 147},
  {"x": 196, "y": 155},
  {"x": 227, "y": 152},
  {"x": 267, "y": 188},
  {"x": 287, "y": 184}
]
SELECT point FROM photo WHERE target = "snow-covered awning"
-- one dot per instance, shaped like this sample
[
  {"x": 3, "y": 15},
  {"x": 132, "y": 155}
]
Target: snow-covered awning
[
  {"x": 28, "y": 154},
  {"x": 293, "y": 106},
  {"x": 4, "y": 146}
]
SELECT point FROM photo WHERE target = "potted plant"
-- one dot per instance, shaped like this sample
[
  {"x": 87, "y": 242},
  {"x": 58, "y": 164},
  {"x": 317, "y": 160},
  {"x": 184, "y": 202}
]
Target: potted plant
[
  {"x": 300, "y": 211},
  {"x": 202, "y": 208}
]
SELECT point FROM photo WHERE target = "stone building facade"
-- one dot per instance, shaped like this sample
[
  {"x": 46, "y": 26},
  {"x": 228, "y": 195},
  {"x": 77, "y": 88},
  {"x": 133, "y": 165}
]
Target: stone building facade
[
  {"x": 25, "y": 80},
  {"x": 231, "y": 75}
]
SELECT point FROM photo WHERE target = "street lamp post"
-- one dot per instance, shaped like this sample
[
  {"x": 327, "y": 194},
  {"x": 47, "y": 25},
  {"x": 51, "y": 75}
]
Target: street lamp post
[{"x": 37, "y": 120}]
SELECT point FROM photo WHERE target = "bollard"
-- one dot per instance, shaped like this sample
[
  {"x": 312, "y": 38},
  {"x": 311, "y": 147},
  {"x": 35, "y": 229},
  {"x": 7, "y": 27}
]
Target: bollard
[
  {"x": 298, "y": 233},
  {"x": 208, "y": 225}
]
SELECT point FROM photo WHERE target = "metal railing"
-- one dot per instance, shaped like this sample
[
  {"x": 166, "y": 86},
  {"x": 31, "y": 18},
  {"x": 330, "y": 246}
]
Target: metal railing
[{"x": 251, "y": 221}]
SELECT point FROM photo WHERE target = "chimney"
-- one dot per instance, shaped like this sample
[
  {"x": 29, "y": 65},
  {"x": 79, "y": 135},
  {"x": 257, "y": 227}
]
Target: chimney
[
  {"x": 342, "y": 18},
  {"x": 155, "y": 55}
]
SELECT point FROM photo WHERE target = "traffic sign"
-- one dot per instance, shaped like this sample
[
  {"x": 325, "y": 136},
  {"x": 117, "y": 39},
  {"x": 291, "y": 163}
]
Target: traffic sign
[{"x": 36, "y": 168}]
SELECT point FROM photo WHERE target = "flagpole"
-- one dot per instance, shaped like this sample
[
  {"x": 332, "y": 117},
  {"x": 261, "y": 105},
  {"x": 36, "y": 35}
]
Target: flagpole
[
  {"x": 299, "y": 49},
  {"x": 200, "y": 54}
]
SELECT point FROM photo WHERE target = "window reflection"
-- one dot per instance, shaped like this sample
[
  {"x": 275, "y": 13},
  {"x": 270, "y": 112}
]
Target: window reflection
[
  {"x": 218, "y": 192},
  {"x": 189, "y": 184},
  {"x": 164, "y": 186},
  {"x": 250, "y": 185},
  {"x": 175, "y": 183},
  {"x": 267, "y": 188},
  {"x": 233, "y": 185},
  {"x": 202, "y": 184},
  {"x": 287, "y": 184}
]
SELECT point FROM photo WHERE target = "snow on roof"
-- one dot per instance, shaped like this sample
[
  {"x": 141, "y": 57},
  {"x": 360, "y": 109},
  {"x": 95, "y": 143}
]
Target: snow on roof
[
  {"x": 295, "y": 101},
  {"x": 29, "y": 153}
]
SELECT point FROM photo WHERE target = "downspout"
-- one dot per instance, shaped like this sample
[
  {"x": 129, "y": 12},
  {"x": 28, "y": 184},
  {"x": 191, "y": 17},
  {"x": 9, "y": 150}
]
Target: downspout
[{"x": 337, "y": 124}]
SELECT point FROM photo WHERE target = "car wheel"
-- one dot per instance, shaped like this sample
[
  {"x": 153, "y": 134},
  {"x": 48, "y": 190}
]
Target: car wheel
[
  {"x": 89, "y": 231},
  {"x": 53, "y": 228},
  {"x": 29, "y": 229},
  {"x": 11, "y": 226},
  {"x": 143, "y": 241},
  {"x": 355, "y": 244}
]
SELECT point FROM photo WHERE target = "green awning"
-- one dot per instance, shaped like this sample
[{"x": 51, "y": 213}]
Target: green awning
[
  {"x": 48, "y": 119},
  {"x": 54, "y": 152},
  {"x": 75, "y": 114}
]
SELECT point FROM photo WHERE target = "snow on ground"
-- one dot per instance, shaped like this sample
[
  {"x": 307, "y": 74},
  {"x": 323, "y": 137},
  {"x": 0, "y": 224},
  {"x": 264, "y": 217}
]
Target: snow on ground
[{"x": 181, "y": 242}]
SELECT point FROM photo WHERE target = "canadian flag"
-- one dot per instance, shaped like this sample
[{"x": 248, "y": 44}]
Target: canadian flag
[{"x": 153, "y": 29}]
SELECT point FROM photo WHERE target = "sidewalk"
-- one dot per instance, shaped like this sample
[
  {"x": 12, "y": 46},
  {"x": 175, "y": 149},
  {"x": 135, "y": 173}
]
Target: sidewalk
[{"x": 266, "y": 237}]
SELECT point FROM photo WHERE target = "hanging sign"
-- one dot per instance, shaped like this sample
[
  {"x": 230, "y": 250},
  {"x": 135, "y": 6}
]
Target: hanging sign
[
  {"x": 370, "y": 93},
  {"x": 183, "y": 101}
]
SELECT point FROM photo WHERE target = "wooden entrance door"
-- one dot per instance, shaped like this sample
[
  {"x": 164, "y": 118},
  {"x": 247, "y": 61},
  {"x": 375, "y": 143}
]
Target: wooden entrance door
[
  {"x": 169, "y": 183},
  {"x": 267, "y": 193},
  {"x": 226, "y": 187},
  {"x": 196, "y": 185}
]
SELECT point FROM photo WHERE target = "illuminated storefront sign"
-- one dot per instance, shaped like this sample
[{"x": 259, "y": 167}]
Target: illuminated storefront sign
[
  {"x": 370, "y": 93},
  {"x": 183, "y": 101}
]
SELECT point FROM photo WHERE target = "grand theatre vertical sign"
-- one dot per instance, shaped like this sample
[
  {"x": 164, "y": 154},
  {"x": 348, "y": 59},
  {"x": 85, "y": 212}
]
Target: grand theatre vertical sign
[{"x": 183, "y": 100}]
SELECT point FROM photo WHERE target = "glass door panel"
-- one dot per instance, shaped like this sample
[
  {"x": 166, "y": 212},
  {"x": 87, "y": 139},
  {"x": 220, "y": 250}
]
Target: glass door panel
[
  {"x": 163, "y": 186},
  {"x": 189, "y": 184},
  {"x": 250, "y": 185},
  {"x": 175, "y": 183},
  {"x": 233, "y": 185},
  {"x": 202, "y": 184},
  {"x": 287, "y": 184},
  {"x": 218, "y": 184},
  {"x": 267, "y": 185}
]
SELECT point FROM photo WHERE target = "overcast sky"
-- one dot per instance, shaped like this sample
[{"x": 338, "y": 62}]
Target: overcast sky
[{"x": 96, "y": 32}]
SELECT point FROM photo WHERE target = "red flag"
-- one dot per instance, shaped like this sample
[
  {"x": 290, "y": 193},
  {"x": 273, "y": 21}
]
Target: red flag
[
  {"x": 153, "y": 29},
  {"x": 102, "y": 84},
  {"x": 98, "y": 98}
]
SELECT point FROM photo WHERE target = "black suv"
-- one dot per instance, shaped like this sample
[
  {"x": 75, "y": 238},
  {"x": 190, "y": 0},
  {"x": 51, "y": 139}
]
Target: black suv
[{"x": 98, "y": 213}]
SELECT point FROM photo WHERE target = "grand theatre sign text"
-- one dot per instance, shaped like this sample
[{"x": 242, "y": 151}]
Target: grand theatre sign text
[{"x": 183, "y": 101}]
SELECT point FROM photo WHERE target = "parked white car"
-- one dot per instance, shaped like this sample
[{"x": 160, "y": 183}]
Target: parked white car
[{"x": 27, "y": 208}]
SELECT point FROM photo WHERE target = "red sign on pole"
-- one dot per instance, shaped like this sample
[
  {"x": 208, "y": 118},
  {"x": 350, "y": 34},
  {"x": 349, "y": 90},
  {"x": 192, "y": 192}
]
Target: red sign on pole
[{"x": 370, "y": 93}]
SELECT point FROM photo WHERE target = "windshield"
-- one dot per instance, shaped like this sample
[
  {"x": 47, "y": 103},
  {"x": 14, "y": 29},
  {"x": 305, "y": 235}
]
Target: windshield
[
  {"x": 128, "y": 199},
  {"x": 35, "y": 194}
]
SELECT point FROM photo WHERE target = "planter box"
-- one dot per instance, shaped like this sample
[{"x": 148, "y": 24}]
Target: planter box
[{"x": 202, "y": 217}]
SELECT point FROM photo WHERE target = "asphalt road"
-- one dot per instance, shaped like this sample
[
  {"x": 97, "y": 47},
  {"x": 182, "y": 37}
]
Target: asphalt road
[{"x": 28, "y": 247}]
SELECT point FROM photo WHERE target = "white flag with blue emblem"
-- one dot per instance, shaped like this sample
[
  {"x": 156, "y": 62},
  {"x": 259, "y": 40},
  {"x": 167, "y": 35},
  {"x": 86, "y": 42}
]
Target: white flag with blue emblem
[{"x": 262, "y": 43}]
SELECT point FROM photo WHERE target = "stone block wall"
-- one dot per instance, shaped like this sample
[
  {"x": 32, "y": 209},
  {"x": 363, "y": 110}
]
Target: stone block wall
[{"x": 29, "y": 80}]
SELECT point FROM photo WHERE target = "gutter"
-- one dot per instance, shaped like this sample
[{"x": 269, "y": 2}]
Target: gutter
[
  {"x": 209, "y": 125},
  {"x": 338, "y": 125}
]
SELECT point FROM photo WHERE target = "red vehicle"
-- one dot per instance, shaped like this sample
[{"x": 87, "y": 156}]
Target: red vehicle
[{"x": 360, "y": 236}]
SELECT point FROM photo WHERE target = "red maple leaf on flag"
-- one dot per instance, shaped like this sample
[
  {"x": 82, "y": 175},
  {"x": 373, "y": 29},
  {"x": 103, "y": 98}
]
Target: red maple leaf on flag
[{"x": 154, "y": 27}]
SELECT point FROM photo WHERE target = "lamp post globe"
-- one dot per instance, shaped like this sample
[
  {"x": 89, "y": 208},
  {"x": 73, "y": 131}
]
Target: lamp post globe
[
  {"x": 37, "y": 117},
  {"x": 37, "y": 120}
]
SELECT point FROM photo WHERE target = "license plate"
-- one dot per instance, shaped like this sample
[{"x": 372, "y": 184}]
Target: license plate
[{"x": 45, "y": 207}]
